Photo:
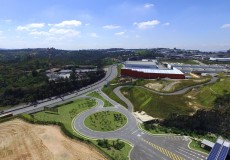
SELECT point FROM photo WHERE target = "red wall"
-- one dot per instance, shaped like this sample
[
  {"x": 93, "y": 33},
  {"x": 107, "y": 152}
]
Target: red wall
[{"x": 136, "y": 74}]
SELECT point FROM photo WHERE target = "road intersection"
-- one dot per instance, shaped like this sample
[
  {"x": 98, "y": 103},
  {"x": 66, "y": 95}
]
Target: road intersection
[{"x": 145, "y": 145}]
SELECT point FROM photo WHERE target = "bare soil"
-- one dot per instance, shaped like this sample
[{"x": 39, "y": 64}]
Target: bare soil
[
  {"x": 155, "y": 86},
  {"x": 23, "y": 141}
]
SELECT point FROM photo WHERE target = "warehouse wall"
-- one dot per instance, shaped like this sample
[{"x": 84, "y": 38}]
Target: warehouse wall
[{"x": 136, "y": 74}]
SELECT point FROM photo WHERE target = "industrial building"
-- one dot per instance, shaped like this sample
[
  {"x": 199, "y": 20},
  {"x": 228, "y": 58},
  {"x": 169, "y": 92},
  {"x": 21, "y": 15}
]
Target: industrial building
[
  {"x": 150, "y": 69},
  {"x": 220, "y": 59}
]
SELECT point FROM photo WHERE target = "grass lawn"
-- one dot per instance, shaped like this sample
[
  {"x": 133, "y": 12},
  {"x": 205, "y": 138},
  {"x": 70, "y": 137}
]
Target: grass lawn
[
  {"x": 108, "y": 90},
  {"x": 196, "y": 145},
  {"x": 65, "y": 115},
  {"x": 156, "y": 105},
  {"x": 188, "y": 83},
  {"x": 184, "y": 61},
  {"x": 105, "y": 121},
  {"x": 97, "y": 95},
  {"x": 207, "y": 94}
]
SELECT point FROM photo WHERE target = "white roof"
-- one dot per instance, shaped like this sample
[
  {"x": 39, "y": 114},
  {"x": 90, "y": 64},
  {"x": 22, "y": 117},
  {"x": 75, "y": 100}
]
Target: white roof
[
  {"x": 207, "y": 143},
  {"x": 162, "y": 71},
  {"x": 226, "y": 144},
  {"x": 220, "y": 141},
  {"x": 153, "y": 62}
]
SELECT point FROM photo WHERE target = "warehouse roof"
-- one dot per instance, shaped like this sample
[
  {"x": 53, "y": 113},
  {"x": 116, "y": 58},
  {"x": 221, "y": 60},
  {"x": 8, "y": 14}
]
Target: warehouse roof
[
  {"x": 160, "y": 71},
  {"x": 153, "y": 62}
]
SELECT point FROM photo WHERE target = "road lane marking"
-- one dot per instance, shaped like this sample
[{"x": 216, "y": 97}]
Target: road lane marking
[{"x": 166, "y": 152}]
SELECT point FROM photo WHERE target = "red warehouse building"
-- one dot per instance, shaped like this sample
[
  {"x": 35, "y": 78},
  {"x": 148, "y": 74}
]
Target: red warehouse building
[{"x": 150, "y": 72}]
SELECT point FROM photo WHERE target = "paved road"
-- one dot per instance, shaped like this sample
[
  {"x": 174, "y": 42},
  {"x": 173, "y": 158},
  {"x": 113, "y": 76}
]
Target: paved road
[
  {"x": 146, "y": 146},
  {"x": 110, "y": 74}
]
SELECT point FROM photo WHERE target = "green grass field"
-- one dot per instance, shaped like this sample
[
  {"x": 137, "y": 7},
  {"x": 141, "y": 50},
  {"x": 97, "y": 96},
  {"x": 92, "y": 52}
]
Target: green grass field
[
  {"x": 65, "y": 113},
  {"x": 97, "y": 95},
  {"x": 105, "y": 121},
  {"x": 108, "y": 90},
  {"x": 196, "y": 145},
  {"x": 156, "y": 105},
  {"x": 207, "y": 94}
]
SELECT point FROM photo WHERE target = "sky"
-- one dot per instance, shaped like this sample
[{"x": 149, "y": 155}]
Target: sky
[{"x": 101, "y": 24}]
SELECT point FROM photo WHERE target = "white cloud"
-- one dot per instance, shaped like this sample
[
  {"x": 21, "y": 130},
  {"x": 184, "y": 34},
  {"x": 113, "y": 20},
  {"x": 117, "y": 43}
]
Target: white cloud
[
  {"x": 225, "y": 26},
  {"x": 148, "y": 5},
  {"x": 39, "y": 33},
  {"x": 166, "y": 24},
  {"x": 93, "y": 35},
  {"x": 71, "y": 23},
  {"x": 8, "y": 20},
  {"x": 30, "y": 26},
  {"x": 111, "y": 27},
  {"x": 147, "y": 24},
  {"x": 119, "y": 33},
  {"x": 66, "y": 32}
]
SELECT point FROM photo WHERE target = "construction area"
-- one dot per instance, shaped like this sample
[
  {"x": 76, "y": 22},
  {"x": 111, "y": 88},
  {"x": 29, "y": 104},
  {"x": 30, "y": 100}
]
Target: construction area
[{"x": 21, "y": 140}]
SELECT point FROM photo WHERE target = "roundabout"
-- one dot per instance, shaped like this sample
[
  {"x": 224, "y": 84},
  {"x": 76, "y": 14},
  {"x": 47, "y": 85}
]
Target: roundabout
[
  {"x": 105, "y": 121},
  {"x": 129, "y": 124},
  {"x": 145, "y": 146}
]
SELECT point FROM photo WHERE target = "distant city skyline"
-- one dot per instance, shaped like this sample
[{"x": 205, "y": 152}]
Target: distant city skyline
[{"x": 101, "y": 24}]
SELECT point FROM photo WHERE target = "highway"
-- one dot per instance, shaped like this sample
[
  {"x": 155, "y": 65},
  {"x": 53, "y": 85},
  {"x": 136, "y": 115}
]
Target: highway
[
  {"x": 110, "y": 74},
  {"x": 145, "y": 145}
]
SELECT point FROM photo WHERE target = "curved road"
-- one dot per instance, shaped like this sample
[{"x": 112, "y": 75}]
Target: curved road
[
  {"x": 146, "y": 146},
  {"x": 182, "y": 91},
  {"x": 53, "y": 101}
]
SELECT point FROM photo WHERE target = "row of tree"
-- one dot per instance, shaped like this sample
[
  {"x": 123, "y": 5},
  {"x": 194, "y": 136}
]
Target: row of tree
[{"x": 16, "y": 95}]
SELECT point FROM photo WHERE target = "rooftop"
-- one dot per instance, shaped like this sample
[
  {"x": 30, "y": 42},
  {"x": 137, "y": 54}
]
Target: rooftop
[{"x": 152, "y": 62}]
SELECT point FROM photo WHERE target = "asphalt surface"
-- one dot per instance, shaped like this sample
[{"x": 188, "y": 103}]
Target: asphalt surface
[{"x": 145, "y": 145}]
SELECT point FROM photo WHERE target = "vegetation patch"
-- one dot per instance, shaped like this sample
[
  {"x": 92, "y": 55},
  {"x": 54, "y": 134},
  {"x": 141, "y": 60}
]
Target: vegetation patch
[
  {"x": 105, "y": 121},
  {"x": 160, "y": 85},
  {"x": 207, "y": 95},
  {"x": 108, "y": 90},
  {"x": 157, "y": 105},
  {"x": 184, "y": 61},
  {"x": 97, "y": 95},
  {"x": 117, "y": 149}
]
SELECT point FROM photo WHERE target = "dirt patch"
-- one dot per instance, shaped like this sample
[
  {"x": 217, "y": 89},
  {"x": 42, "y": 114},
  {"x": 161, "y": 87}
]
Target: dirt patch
[
  {"x": 155, "y": 86},
  {"x": 21, "y": 140},
  {"x": 199, "y": 80}
]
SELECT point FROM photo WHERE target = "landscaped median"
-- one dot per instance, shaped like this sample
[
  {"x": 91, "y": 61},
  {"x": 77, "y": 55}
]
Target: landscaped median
[
  {"x": 63, "y": 116},
  {"x": 105, "y": 121}
]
